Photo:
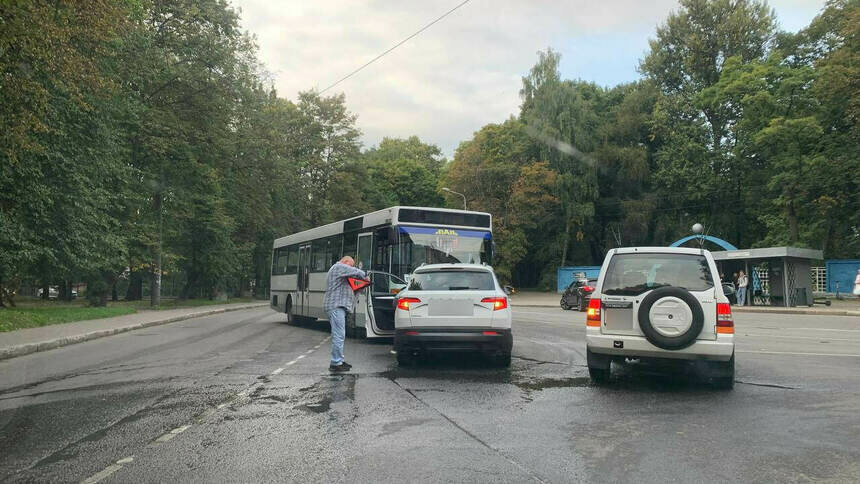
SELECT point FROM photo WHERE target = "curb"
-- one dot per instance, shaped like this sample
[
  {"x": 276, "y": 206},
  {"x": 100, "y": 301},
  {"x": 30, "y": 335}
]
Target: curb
[
  {"x": 736, "y": 309},
  {"x": 26, "y": 349}
]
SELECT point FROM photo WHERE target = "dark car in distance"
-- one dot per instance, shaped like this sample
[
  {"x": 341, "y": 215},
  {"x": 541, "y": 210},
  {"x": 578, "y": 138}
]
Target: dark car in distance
[{"x": 577, "y": 294}]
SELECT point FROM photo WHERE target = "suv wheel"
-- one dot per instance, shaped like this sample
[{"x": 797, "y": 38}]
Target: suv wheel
[
  {"x": 726, "y": 372},
  {"x": 599, "y": 366}
]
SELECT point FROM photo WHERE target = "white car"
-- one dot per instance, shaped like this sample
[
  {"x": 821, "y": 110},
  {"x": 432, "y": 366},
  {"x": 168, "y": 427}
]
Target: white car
[
  {"x": 453, "y": 307},
  {"x": 662, "y": 303}
]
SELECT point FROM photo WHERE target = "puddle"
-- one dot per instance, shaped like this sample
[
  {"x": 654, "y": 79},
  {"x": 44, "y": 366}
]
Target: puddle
[
  {"x": 329, "y": 390},
  {"x": 544, "y": 383}
]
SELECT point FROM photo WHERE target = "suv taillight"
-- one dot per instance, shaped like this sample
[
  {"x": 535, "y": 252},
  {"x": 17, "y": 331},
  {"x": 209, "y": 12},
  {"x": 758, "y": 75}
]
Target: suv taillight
[
  {"x": 498, "y": 302},
  {"x": 725, "y": 321},
  {"x": 592, "y": 314},
  {"x": 403, "y": 303}
]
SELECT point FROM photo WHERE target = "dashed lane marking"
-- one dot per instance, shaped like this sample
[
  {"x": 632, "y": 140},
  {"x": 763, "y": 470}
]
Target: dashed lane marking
[
  {"x": 278, "y": 371},
  {"x": 173, "y": 433},
  {"x": 796, "y": 354},
  {"x": 107, "y": 471}
]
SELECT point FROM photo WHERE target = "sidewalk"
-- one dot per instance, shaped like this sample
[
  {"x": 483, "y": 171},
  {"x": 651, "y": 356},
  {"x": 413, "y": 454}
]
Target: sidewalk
[
  {"x": 31, "y": 340},
  {"x": 838, "y": 308}
]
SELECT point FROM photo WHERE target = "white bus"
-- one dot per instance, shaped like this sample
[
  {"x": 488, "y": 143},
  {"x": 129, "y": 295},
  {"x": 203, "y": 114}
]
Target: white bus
[{"x": 389, "y": 243}]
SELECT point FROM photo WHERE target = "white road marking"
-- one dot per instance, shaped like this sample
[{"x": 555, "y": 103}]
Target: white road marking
[
  {"x": 104, "y": 474},
  {"x": 278, "y": 371},
  {"x": 173, "y": 433},
  {"x": 300, "y": 357},
  {"x": 824, "y": 338},
  {"x": 289, "y": 363},
  {"x": 309, "y": 351},
  {"x": 126, "y": 460},
  {"x": 796, "y": 354}
]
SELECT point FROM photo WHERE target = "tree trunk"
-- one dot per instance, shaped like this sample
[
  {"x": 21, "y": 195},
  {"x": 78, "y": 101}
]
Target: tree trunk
[
  {"x": 113, "y": 295},
  {"x": 45, "y": 291},
  {"x": 566, "y": 242},
  {"x": 793, "y": 231},
  {"x": 155, "y": 284},
  {"x": 135, "y": 287}
]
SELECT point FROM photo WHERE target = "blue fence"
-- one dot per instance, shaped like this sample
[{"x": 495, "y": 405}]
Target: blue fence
[
  {"x": 844, "y": 271},
  {"x": 565, "y": 275}
]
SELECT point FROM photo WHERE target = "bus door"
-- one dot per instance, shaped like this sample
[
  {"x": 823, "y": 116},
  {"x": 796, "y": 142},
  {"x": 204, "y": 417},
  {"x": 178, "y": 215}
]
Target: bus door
[
  {"x": 303, "y": 295},
  {"x": 364, "y": 301}
]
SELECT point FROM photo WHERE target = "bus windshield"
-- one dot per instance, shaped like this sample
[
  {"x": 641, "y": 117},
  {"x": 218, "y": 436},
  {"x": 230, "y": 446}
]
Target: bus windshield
[{"x": 435, "y": 245}]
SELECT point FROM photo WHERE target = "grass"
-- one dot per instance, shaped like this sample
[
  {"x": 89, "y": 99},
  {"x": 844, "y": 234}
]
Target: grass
[{"x": 33, "y": 313}]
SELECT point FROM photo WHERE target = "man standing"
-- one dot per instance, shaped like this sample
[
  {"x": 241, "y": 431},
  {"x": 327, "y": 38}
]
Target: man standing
[
  {"x": 743, "y": 282},
  {"x": 339, "y": 299}
]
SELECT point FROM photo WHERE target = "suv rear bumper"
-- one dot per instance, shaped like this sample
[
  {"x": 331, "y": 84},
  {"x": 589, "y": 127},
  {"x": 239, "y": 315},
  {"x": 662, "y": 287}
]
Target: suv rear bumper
[
  {"x": 720, "y": 349},
  {"x": 454, "y": 339}
]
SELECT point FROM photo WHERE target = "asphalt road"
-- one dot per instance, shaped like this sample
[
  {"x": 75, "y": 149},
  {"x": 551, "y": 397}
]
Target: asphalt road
[{"x": 243, "y": 397}]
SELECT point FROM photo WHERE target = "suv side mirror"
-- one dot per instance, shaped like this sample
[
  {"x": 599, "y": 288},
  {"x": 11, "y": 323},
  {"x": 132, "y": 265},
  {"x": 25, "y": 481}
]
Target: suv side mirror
[{"x": 728, "y": 289}]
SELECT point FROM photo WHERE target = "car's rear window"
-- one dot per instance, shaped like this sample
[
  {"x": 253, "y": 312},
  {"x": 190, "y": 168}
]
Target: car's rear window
[
  {"x": 452, "y": 280},
  {"x": 634, "y": 274}
]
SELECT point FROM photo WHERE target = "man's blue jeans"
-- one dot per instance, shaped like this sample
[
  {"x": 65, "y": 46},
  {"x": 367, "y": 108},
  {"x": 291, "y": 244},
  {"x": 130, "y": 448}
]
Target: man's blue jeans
[
  {"x": 337, "y": 318},
  {"x": 742, "y": 296}
]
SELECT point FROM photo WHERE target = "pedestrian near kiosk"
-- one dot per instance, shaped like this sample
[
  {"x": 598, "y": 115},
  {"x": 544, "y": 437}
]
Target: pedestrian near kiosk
[
  {"x": 857, "y": 284},
  {"x": 339, "y": 300},
  {"x": 743, "y": 282}
]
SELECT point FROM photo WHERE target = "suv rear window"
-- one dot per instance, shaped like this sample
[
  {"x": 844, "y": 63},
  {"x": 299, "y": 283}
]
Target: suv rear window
[
  {"x": 452, "y": 281},
  {"x": 634, "y": 274}
]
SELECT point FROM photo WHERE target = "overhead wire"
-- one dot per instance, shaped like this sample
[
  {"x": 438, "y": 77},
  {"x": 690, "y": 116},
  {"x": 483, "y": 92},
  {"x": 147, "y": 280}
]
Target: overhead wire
[{"x": 371, "y": 61}]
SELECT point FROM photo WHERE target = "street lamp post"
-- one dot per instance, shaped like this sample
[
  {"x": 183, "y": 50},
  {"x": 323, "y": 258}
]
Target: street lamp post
[{"x": 446, "y": 189}]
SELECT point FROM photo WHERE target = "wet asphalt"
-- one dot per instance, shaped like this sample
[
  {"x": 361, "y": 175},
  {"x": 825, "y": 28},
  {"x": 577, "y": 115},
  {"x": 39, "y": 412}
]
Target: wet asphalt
[{"x": 242, "y": 397}]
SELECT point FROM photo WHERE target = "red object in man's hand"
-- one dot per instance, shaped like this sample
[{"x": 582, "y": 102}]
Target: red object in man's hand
[{"x": 357, "y": 284}]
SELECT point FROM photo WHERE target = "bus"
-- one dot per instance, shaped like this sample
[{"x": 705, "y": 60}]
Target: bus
[{"x": 389, "y": 244}]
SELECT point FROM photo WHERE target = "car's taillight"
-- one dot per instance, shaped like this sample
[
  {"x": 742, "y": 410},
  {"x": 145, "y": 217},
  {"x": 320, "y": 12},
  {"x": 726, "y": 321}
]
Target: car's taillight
[
  {"x": 498, "y": 302},
  {"x": 491, "y": 333},
  {"x": 725, "y": 321},
  {"x": 592, "y": 315},
  {"x": 403, "y": 303},
  {"x": 587, "y": 288}
]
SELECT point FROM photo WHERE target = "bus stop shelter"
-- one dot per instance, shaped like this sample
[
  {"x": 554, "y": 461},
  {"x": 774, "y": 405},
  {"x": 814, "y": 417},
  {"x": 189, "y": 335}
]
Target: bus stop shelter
[{"x": 779, "y": 276}]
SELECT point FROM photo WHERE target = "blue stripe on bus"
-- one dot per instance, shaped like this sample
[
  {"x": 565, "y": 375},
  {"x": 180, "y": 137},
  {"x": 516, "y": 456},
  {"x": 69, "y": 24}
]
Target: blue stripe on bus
[{"x": 444, "y": 231}]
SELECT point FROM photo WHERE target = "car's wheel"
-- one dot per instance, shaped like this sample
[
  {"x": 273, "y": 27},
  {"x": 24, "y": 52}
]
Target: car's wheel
[
  {"x": 725, "y": 379},
  {"x": 671, "y": 318},
  {"x": 581, "y": 305},
  {"x": 599, "y": 366},
  {"x": 405, "y": 358},
  {"x": 565, "y": 305}
]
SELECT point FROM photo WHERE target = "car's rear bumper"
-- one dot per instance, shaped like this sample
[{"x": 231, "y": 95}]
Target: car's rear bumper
[
  {"x": 454, "y": 339},
  {"x": 720, "y": 349}
]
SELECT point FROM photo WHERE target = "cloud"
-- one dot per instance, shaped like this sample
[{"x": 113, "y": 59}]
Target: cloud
[{"x": 459, "y": 74}]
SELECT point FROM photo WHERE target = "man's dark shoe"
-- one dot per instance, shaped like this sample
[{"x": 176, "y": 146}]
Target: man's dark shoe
[
  {"x": 341, "y": 368},
  {"x": 347, "y": 365}
]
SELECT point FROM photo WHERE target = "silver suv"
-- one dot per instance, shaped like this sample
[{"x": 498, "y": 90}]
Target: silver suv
[{"x": 660, "y": 303}]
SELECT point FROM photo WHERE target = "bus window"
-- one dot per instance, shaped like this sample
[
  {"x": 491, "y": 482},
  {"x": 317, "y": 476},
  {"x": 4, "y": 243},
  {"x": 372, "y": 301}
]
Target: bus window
[
  {"x": 335, "y": 248},
  {"x": 349, "y": 244},
  {"x": 320, "y": 258},
  {"x": 293, "y": 260},
  {"x": 279, "y": 261}
]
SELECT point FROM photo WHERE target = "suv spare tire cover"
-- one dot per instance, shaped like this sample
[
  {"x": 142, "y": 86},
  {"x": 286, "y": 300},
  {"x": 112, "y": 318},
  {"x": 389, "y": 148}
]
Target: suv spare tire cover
[{"x": 671, "y": 318}]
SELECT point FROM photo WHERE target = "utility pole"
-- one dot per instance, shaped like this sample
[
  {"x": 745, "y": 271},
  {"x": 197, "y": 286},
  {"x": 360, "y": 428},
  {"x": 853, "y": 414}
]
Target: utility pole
[{"x": 448, "y": 190}]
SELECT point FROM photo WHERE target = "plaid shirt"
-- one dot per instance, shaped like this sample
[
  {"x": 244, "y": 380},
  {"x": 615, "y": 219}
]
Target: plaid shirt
[{"x": 338, "y": 293}]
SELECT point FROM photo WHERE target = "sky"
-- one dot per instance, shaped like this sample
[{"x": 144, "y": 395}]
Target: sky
[{"x": 464, "y": 71}]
